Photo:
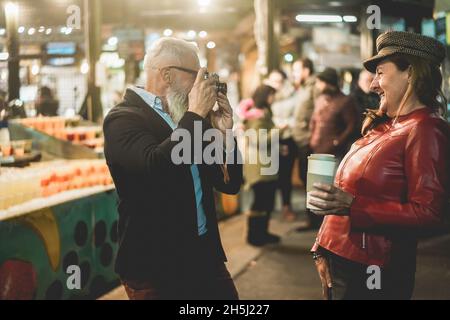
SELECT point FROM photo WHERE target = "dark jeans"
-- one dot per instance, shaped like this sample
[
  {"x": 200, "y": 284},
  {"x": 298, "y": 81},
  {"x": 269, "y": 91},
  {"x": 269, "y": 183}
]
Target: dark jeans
[
  {"x": 203, "y": 277},
  {"x": 303, "y": 154},
  {"x": 349, "y": 280},
  {"x": 288, "y": 153},
  {"x": 264, "y": 196}
]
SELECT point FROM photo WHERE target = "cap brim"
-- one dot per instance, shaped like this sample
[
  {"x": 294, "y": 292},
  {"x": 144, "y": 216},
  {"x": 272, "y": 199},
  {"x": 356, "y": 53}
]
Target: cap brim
[{"x": 372, "y": 63}]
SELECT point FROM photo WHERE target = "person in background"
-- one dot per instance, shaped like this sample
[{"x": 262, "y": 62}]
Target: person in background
[
  {"x": 278, "y": 79},
  {"x": 334, "y": 118},
  {"x": 3, "y": 99},
  {"x": 46, "y": 104},
  {"x": 303, "y": 73},
  {"x": 257, "y": 115},
  {"x": 364, "y": 98},
  {"x": 283, "y": 117},
  {"x": 394, "y": 183}
]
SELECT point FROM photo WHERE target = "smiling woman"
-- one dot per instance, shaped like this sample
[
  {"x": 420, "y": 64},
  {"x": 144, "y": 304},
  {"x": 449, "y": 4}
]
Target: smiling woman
[
  {"x": 394, "y": 182},
  {"x": 401, "y": 79}
]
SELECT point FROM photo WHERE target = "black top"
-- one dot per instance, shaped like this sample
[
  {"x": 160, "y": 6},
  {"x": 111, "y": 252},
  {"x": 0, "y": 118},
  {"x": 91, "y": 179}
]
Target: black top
[
  {"x": 48, "y": 107},
  {"x": 157, "y": 207}
]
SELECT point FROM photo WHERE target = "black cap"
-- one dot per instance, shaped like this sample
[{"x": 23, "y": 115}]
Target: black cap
[{"x": 330, "y": 76}]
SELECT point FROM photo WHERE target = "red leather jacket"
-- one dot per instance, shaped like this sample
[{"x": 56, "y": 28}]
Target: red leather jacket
[{"x": 399, "y": 175}]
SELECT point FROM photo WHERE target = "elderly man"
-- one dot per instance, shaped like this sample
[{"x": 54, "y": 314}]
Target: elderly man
[{"x": 169, "y": 242}]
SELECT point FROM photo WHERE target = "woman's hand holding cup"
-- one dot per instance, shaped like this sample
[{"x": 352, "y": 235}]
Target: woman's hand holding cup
[{"x": 330, "y": 200}]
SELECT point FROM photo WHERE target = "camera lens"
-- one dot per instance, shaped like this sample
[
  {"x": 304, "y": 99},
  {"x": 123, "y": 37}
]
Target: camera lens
[{"x": 221, "y": 87}]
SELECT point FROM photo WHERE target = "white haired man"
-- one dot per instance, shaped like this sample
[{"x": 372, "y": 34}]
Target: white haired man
[{"x": 169, "y": 242}]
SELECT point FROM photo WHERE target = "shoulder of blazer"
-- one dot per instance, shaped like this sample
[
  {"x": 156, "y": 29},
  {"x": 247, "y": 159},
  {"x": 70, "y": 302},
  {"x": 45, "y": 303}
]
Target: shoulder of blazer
[{"x": 134, "y": 107}]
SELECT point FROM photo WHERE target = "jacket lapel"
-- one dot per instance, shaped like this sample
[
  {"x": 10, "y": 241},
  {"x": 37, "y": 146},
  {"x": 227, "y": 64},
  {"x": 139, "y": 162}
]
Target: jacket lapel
[{"x": 133, "y": 98}]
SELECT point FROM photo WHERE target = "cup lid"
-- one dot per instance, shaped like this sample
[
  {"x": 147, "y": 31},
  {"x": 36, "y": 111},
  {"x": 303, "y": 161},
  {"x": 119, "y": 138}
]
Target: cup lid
[{"x": 322, "y": 156}]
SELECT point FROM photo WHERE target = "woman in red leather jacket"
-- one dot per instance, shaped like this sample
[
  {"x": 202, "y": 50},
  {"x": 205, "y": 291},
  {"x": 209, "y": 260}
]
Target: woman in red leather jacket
[{"x": 393, "y": 183}]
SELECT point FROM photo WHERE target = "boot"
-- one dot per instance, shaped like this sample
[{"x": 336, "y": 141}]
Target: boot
[
  {"x": 269, "y": 237},
  {"x": 255, "y": 230}
]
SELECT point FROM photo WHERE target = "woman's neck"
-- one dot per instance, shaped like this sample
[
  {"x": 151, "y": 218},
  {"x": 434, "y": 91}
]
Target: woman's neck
[{"x": 410, "y": 105}]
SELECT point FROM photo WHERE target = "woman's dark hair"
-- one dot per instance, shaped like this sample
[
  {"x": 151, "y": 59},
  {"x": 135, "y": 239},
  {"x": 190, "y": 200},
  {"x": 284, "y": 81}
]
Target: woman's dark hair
[
  {"x": 261, "y": 96},
  {"x": 308, "y": 64},
  {"x": 426, "y": 83},
  {"x": 280, "y": 72},
  {"x": 46, "y": 92}
]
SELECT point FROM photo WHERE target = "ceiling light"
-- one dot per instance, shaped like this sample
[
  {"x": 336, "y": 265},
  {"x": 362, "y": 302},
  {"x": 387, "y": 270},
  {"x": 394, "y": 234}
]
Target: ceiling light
[
  {"x": 113, "y": 41},
  {"x": 350, "y": 18},
  {"x": 167, "y": 32},
  {"x": 318, "y": 18},
  {"x": 191, "y": 34}
]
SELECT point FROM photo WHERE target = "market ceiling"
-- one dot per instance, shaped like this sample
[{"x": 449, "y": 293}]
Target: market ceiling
[{"x": 210, "y": 15}]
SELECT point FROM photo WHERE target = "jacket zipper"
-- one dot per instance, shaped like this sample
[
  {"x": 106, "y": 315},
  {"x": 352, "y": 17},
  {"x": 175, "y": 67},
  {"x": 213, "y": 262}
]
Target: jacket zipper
[{"x": 364, "y": 240}]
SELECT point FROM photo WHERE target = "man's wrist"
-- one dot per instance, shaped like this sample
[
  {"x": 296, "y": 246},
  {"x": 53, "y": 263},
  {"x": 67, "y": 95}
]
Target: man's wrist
[{"x": 198, "y": 112}]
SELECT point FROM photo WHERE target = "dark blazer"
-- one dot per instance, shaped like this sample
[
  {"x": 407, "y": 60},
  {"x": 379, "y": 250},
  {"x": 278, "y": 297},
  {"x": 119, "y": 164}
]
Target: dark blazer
[{"x": 157, "y": 206}]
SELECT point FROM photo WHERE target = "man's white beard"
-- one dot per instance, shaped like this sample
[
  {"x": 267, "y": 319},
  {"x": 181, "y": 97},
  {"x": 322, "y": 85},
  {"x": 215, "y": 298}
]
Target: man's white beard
[{"x": 178, "y": 102}]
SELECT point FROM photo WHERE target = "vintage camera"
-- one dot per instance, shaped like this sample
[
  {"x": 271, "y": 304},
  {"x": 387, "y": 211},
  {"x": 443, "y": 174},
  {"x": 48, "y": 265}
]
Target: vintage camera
[{"x": 220, "y": 86}]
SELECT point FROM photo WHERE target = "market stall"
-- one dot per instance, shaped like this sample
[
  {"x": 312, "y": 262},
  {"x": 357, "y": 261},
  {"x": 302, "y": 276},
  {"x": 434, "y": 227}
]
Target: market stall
[{"x": 54, "y": 215}]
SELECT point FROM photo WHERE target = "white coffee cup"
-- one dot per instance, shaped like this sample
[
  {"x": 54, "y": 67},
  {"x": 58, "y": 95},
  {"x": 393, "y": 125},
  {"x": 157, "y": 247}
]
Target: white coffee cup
[{"x": 321, "y": 168}]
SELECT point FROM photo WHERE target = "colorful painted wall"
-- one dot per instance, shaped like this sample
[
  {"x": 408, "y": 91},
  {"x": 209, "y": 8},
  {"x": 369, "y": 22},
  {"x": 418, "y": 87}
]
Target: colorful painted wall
[{"x": 37, "y": 248}]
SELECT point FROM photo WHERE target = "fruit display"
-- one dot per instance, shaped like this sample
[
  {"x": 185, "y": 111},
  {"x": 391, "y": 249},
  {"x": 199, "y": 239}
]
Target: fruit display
[
  {"x": 61, "y": 128},
  {"x": 49, "y": 178}
]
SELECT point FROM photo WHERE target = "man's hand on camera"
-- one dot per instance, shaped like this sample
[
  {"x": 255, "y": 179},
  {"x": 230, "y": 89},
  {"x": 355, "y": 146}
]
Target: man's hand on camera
[
  {"x": 203, "y": 95},
  {"x": 222, "y": 119}
]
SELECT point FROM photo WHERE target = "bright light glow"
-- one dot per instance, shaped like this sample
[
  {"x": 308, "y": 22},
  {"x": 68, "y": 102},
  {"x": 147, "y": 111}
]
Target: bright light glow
[
  {"x": 203, "y": 34},
  {"x": 191, "y": 34},
  {"x": 2, "y": 32},
  {"x": 68, "y": 31},
  {"x": 31, "y": 31},
  {"x": 48, "y": 31},
  {"x": 84, "y": 67},
  {"x": 348, "y": 77},
  {"x": 35, "y": 69},
  {"x": 288, "y": 57},
  {"x": 113, "y": 41},
  {"x": 4, "y": 56},
  {"x": 11, "y": 9},
  {"x": 41, "y": 29},
  {"x": 21, "y": 29},
  {"x": 167, "y": 32},
  {"x": 318, "y": 18},
  {"x": 63, "y": 30},
  {"x": 211, "y": 45},
  {"x": 112, "y": 60},
  {"x": 204, "y": 3},
  {"x": 203, "y": 62},
  {"x": 350, "y": 19}
]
